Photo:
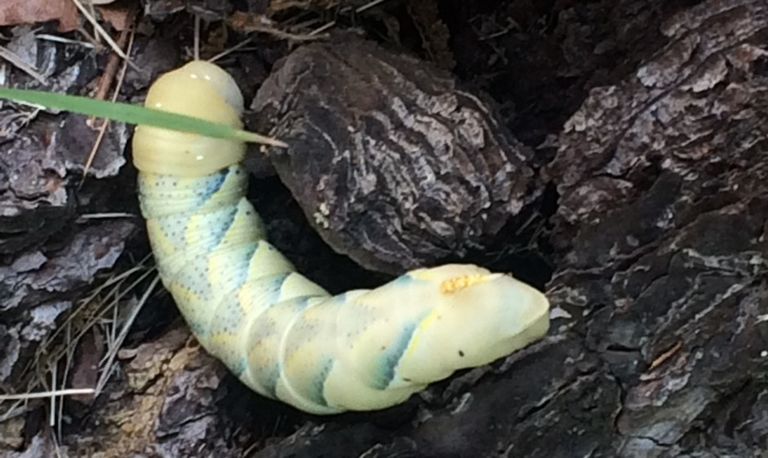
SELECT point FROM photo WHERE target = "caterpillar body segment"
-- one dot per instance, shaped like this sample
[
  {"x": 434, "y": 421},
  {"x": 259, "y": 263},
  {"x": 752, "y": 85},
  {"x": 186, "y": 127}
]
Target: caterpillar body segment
[{"x": 280, "y": 333}]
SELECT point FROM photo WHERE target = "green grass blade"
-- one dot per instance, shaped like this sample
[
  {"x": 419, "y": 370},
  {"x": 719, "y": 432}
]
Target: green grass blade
[{"x": 134, "y": 114}]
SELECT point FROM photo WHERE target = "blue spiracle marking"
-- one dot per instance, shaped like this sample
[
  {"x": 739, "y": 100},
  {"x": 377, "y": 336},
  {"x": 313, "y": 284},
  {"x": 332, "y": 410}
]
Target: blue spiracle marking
[
  {"x": 209, "y": 186},
  {"x": 390, "y": 358},
  {"x": 275, "y": 287},
  {"x": 318, "y": 384},
  {"x": 243, "y": 261},
  {"x": 218, "y": 226}
]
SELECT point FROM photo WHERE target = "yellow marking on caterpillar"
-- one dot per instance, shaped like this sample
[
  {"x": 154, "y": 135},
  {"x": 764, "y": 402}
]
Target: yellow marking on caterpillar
[
  {"x": 415, "y": 344},
  {"x": 161, "y": 243},
  {"x": 283, "y": 335},
  {"x": 452, "y": 285}
]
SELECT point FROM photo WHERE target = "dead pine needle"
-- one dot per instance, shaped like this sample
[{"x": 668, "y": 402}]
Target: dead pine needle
[
  {"x": 50, "y": 367},
  {"x": 108, "y": 76},
  {"x": 196, "y": 39},
  {"x": 103, "y": 33},
  {"x": 46, "y": 394},
  {"x": 358, "y": 10},
  {"x": 112, "y": 352},
  {"x": 17, "y": 62}
]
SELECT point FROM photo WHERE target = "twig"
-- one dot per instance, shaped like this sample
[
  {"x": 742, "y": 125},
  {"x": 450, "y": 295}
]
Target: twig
[
  {"x": 196, "y": 39},
  {"x": 123, "y": 334},
  {"x": 229, "y": 51},
  {"x": 52, "y": 415},
  {"x": 103, "y": 33},
  {"x": 113, "y": 215},
  {"x": 46, "y": 394},
  {"x": 248, "y": 23},
  {"x": 66, "y": 41},
  {"x": 360, "y": 9},
  {"x": 105, "y": 124},
  {"x": 280, "y": 34},
  {"x": 111, "y": 68},
  {"x": 11, "y": 57},
  {"x": 90, "y": 39}
]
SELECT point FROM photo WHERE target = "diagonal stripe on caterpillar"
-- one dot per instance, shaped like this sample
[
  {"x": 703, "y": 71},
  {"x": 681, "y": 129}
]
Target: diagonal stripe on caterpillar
[{"x": 283, "y": 335}]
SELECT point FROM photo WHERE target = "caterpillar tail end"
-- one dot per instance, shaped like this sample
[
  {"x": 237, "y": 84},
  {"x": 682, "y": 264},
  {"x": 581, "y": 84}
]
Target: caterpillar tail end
[{"x": 478, "y": 318}]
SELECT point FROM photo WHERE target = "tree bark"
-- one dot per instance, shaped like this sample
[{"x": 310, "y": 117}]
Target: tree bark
[{"x": 656, "y": 189}]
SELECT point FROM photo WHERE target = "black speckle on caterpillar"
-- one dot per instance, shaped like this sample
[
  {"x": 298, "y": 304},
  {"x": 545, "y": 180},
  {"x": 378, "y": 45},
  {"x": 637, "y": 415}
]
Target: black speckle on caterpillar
[{"x": 281, "y": 334}]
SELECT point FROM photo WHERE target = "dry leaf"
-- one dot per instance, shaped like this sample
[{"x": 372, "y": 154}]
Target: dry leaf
[
  {"x": 120, "y": 15},
  {"x": 15, "y": 12}
]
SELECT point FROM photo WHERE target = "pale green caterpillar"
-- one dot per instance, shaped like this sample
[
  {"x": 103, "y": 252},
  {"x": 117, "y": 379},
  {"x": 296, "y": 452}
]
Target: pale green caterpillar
[{"x": 280, "y": 333}]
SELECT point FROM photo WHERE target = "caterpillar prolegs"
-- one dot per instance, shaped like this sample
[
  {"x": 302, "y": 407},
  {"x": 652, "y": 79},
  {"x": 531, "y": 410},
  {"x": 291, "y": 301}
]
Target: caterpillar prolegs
[{"x": 281, "y": 334}]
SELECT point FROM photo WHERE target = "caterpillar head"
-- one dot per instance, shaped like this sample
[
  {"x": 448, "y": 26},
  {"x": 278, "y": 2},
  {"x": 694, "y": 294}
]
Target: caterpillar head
[{"x": 202, "y": 90}]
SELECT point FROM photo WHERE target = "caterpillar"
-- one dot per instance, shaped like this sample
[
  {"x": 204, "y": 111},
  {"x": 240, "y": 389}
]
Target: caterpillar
[{"x": 281, "y": 334}]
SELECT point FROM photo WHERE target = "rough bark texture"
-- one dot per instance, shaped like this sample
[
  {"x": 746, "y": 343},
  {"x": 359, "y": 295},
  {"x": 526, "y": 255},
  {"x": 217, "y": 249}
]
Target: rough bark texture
[
  {"x": 661, "y": 274},
  {"x": 663, "y": 181},
  {"x": 47, "y": 255},
  {"x": 391, "y": 162},
  {"x": 653, "y": 117}
]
